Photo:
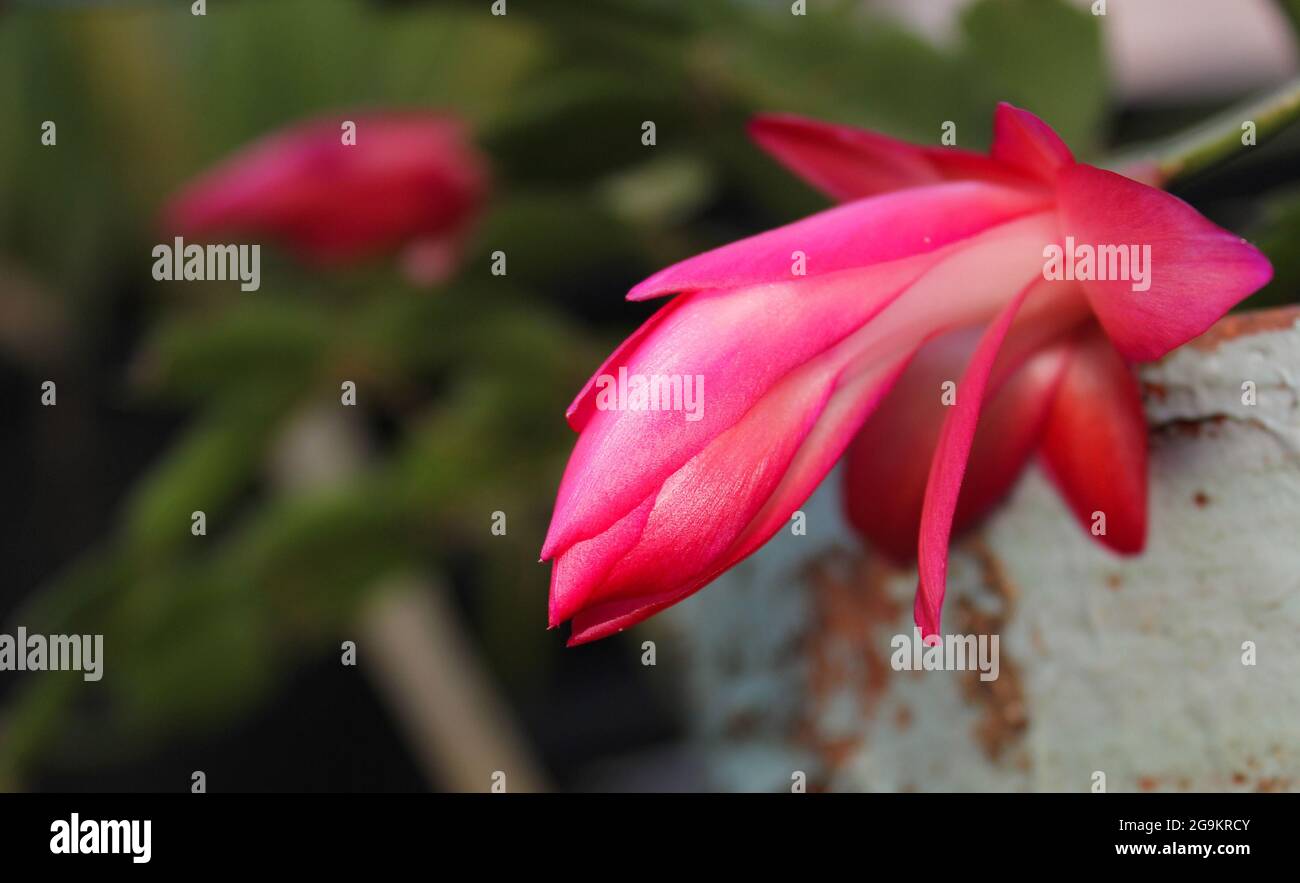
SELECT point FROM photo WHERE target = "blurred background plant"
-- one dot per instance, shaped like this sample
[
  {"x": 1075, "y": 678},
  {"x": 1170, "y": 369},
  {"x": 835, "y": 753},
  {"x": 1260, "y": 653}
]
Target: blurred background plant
[{"x": 223, "y": 650}]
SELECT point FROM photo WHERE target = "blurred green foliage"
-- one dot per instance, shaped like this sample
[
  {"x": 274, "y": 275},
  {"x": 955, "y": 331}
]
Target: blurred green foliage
[
  {"x": 471, "y": 379},
  {"x": 1277, "y": 232}
]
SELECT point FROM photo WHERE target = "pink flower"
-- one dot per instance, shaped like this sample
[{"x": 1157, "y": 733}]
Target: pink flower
[
  {"x": 896, "y": 318},
  {"x": 407, "y": 182}
]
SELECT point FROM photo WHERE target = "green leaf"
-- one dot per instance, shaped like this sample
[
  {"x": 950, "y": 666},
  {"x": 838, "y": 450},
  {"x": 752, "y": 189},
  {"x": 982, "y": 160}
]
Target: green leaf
[
  {"x": 208, "y": 470},
  {"x": 1045, "y": 56},
  {"x": 1277, "y": 235},
  {"x": 845, "y": 68},
  {"x": 314, "y": 556},
  {"x": 194, "y": 356}
]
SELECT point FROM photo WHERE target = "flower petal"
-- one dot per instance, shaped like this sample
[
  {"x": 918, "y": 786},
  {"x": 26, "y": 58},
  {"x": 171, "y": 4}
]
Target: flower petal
[
  {"x": 743, "y": 342},
  {"x": 765, "y": 471},
  {"x": 949, "y": 465},
  {"x": 735, "y": 346},
  {"x": 408, "y": 176},
  {"x": 1024, "y": 142},
  {"x": 584, "y": 403},
  {"x": 1196, "y": 271},
  {"x": 859, "y": 234},
  {"x": 584, "y": 566},
  {"x": 849, "y": 163},
  {"x": 688, "y": 539},
  {"x": 888, "y": 464},
  {"x": 1095, "y": 444}
]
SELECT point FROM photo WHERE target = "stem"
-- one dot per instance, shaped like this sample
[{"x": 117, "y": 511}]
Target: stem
[
  {"x": 1215, "y": 140},
  {"x": 437, "y": 688},
  {"x": 458, "y": 727}
]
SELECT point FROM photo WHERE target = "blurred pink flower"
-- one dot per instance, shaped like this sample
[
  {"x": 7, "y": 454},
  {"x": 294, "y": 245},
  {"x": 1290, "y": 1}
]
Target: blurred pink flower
[
  {"x": 933, "y": 281},
  {"x": 410, "y": 183}
]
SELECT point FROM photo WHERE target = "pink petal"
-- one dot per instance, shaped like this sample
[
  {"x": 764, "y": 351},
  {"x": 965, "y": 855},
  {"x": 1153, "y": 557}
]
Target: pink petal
[
  {"x": 409, "y": 176},
  {"x": 1024, "y": 142},
  {"x": 431, "y": 260},
  {"x": 764, "y": 471},
  {"x": 584, "y": 403},
  {"x": 849, "y": 163},
  {"x": 1095, "y": 443},
  {"x": 687, "y": 533},
  {"x": 888, "y": 463},
  {"x": 766, "y": 464},
  {"x": 858, "y": 393},
  {"x": 582, "y": 567},
  {"x": 614, "y": 617},
  {"x": 743, "y": 342},
  {"x": 1197, "y": 271},
  {"x": 859, "y": 234},
  {"x": 949, "y": 465},
  {"x": 1015, "y": 417}
]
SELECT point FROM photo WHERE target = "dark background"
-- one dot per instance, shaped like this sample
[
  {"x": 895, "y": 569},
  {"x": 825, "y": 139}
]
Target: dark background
[{"x": 169, "y": 394}]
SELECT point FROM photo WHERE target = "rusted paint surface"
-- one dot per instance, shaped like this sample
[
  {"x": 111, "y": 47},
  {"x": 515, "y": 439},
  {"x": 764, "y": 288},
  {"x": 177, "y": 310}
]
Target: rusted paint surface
[
  {"x": 1247, "y": 324},
  {"x": 1004, "y": 716},
  {"x": 1130, "y": 667}
]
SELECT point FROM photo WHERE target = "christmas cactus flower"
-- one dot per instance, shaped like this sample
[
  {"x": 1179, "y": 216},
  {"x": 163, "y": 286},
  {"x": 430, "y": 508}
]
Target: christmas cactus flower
[
  {"x": 347, "y": 188},
  {"x": 957, "y": 314}
]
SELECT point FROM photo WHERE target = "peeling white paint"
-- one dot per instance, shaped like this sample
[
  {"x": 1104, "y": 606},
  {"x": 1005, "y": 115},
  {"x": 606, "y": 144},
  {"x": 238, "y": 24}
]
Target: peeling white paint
[{"x": 1131, "y": 666}]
